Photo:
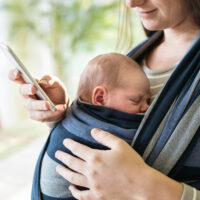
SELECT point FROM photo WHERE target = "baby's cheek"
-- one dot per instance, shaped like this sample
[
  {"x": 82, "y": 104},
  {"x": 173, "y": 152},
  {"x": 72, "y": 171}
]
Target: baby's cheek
[{"x": 134, "y": 109}]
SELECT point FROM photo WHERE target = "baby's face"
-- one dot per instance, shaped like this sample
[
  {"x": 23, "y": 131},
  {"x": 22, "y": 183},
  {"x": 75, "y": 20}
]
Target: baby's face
[{"x": 133, "y": 97}]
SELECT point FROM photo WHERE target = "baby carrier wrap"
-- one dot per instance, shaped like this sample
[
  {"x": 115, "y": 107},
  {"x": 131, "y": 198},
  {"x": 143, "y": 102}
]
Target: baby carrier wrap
[
  {"x": 169, "y": 136},
  {"x": 80, "y": 118}
]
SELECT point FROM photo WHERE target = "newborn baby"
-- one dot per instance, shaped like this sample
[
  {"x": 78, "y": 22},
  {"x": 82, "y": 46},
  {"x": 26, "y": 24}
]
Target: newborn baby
[
  {"x": 115, "y": 81},
  {"x": 113, "y": 90}
]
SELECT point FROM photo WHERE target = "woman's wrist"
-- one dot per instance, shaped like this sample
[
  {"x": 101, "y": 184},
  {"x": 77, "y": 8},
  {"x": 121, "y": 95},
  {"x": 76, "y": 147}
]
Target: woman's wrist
[{"x": 158, "y": 186}]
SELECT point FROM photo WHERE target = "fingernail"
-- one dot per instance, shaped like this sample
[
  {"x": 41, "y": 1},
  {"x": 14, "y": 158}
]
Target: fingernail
[
  {"x": 70, "y": 188},
  {"x": 57, "y": 168},
  {"x": 16, "y": 73},
  {"x": 46, "y": 105},
  {"x": 43, "y": 82},
  {"x": 33, "y": 90},
  {"x": 57, "y": 154},
  {"x": 66, "y": 142},
  {"x": 51, "y": 82},
  {"x": 62, "y": 108},
  {"x": 95, "y": 130}
]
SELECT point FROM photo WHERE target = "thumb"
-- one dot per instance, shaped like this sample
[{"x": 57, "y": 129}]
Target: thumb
[
  {"x": 49, "y": 84},
  {"x": 61, "y": 108},
  {"x": 106, "y": 138}
]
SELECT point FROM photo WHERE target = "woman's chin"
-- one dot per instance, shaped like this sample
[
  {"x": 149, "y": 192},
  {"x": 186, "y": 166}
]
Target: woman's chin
[{"x": 152, "y": 27}]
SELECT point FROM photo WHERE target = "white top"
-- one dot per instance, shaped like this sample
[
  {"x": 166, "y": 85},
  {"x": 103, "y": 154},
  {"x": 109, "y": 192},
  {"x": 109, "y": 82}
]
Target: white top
[{"x": 157, "y": 78}]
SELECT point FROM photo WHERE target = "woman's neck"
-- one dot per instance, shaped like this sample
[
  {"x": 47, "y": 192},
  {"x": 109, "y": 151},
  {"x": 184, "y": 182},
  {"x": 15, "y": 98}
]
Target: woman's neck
[
  {"x": 173, "y": 46},
  {"x": 183, "y": 33}
]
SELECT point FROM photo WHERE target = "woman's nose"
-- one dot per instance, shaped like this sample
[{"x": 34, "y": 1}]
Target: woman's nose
[{"x": 134, "y": 3}]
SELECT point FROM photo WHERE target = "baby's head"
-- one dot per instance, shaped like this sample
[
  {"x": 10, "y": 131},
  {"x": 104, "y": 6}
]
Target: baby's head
[{"x": 116, "y": 81}]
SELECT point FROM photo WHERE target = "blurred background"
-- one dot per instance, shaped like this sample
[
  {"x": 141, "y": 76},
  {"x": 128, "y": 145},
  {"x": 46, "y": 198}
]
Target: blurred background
[{"x": 55, "y": 37}]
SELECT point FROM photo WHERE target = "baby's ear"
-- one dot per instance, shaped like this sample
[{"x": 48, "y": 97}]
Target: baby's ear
[{"x": 99, "y": 96}]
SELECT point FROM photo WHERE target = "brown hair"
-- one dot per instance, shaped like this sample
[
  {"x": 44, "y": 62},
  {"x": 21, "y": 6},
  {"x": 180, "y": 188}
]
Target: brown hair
[
  {"x": 194, "y": 8},
  {"x": 102, "y": 70},
  {"x": 125, "y": 28}
]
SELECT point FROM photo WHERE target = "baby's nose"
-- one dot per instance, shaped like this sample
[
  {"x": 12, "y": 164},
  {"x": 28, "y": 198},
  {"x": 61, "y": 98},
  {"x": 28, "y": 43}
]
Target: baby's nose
[{"x": 144, "y": 107}]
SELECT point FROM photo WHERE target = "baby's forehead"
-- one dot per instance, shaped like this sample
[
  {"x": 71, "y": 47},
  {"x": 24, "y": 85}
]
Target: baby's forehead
[
  {"x": 111, "y": 59},
  {"x": 133, "y": 80}
]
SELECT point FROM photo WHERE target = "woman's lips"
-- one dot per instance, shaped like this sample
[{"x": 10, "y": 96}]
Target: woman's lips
[{"x": 146, "y": 14}]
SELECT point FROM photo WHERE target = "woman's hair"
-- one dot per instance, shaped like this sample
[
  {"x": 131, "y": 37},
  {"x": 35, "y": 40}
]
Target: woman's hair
[
  {"x": 194, "y": 8},
  {"x": 125, "y": 28}
]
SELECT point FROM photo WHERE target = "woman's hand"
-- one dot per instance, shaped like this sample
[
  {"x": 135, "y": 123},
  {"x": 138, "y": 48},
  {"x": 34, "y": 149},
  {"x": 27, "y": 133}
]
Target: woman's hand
[
  {"x": 40, "y": 109},
  {"x": 118, "y": 173}
]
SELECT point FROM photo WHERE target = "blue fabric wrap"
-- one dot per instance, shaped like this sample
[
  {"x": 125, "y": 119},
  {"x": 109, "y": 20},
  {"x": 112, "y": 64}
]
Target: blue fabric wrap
[
  {"x": 187, "y": 68},
  {"x": 80, "y": 120},
  {"x": 188, "y": 174},
  {"x": 175, "y": 115},
  {"x": 176, "y": 89},
  {"x": 77, "y": 125},
  {"x": 179, "y": 83}
]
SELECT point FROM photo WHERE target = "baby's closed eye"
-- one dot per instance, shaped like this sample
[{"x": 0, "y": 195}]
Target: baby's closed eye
[{"x": 135, "y": 101}]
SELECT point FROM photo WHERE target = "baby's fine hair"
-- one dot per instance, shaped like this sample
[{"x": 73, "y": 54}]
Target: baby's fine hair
[{"x": 102, "y": 70}]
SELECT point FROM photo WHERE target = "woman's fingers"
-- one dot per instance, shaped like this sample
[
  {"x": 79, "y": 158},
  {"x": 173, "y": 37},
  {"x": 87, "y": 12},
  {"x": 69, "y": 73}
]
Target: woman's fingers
[
  {"x": 35, "y": 104},
  {"x": 48, "y": 81},
  {"x": 27, "y": 89},
  {"x": 15, "y": 75},
  {"x": 54, "y": 89},
  {"x": 48, "y": 116},
  {"x": 72, "y": 177},
  {"x": 106, "y": 138},
  {"x": 45, "y": 82},
  {"x": 85, "y": 194},
  {"x": 72, "y": 162},
  {"x": 80, "y": 150},
  {"x": 78, "y": 194},
  {"x": 49, "y": 84},
  {"x": 47, "y": 77},
  {"x": 40, "y": 109}
]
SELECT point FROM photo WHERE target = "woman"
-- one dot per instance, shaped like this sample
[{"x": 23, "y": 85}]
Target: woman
[{"x": 120, "y": 173}]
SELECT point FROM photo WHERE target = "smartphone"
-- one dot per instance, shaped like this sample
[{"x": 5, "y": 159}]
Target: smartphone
[{"x": 9, "y": 53}]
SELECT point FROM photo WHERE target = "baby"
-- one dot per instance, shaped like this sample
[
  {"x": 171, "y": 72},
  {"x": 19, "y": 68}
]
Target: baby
[
  {"x": 113, "y": 90},
  {"x": 115, "y": 81}
]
